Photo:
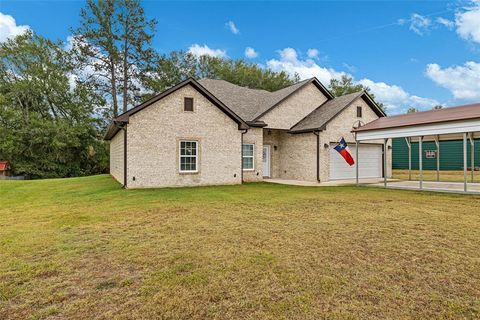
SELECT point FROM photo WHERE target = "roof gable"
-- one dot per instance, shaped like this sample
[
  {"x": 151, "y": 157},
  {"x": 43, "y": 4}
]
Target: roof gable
[
  {"x": 320, "y": 117},
  {"x": 283, "y": 94},
  {"x": 252, "y": 104},
  {"x": 124, "y": 117}
]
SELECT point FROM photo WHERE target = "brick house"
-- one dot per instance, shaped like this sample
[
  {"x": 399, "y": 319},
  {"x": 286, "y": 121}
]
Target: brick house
[
  {"x": 5, "y": 169},
  {"x": 211, "y": 132}
]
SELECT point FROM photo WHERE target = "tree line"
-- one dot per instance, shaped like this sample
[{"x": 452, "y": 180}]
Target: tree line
[{"x": 57, "y": 98}]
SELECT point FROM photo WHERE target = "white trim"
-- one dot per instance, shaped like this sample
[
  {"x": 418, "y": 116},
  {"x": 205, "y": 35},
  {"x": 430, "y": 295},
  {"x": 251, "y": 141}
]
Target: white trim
[
  {"x": 252, "y": 156},
  {"x": 180, "y": 156},
  {"x": 421, "y": 130}
]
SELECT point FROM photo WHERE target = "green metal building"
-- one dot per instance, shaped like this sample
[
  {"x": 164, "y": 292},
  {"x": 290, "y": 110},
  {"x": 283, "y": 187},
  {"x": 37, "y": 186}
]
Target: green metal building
[{"x": 451, "y": 154}]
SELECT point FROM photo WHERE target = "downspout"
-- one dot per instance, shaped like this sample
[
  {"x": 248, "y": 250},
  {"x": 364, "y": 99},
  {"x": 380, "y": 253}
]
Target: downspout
[
  {"x": 124, "y": 157},
  {"x": 241, "y": 153},
  {"x": 317, "y": 133}
]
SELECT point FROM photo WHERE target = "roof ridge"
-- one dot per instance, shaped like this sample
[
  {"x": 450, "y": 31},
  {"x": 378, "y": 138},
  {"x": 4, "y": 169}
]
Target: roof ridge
[
  {"x": 236, "y": 85},
  {"x": 435, "y": 110},
  {"x": 293, "y": 84},
  {"x": 351, "y": 93}
]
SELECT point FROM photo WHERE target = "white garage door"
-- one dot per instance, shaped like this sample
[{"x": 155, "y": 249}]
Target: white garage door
[{"x": 370, "y": 165}]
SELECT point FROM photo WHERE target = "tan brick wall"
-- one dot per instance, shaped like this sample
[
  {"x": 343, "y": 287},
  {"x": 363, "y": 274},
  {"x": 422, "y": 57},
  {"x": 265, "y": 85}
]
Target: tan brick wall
[
  {"x": 295, "y": 157},
  {"x": 153, "y": 136},
  {"x": 295, "y": 108},
  {"x": 255, "y": 136},
  {"x": 341, "y": 126},
  {"x": 116, "y": 156},
  {"x": 298, "y": 157}
]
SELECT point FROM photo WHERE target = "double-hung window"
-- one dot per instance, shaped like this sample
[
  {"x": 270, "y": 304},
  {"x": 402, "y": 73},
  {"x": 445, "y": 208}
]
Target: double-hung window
[
  {"x": 247, "y": 156},
  {"x": 188, "y": 156}
]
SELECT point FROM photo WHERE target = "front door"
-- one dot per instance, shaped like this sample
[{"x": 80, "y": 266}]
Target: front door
[{"x": 266, "y": 161}]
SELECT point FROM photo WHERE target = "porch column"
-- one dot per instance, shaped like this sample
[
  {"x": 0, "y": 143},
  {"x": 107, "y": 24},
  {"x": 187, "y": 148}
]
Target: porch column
[
  {"x": 385, "y": 150},
  {"x": 437, "y": 143},
  {"x": 408, "y": 141},
  {"x": 465, "y": 162},
  {"x": 357, "y": 145},
  {"x": 420, "y": 160}
]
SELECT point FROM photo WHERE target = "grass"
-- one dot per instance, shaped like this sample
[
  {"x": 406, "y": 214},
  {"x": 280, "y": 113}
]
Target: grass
[
  {"x": 84, "y": 248},
  {"x": 431, "y": 175}
]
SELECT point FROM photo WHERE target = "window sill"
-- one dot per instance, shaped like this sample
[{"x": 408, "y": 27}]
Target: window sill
[
  {"x": 248, "y": 169},
  {"x": 187, "y": 172}
]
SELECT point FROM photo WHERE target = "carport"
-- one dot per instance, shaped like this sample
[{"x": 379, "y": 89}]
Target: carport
[{"x": 454, "y": 123}]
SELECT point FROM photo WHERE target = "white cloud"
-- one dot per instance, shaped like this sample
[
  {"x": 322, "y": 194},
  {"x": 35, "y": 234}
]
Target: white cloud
[
  {"x": 308, "y": 68},
  {"x": 198, "y": 50},
  {"x": 231, "y": 25},
  {"x": 349, "y": 68},
  {"x": 419, "y": 24},
  {"x": 9, "y": 28},
  {"x": 462, "y": 81},
  {"x": 396, "y": 99},
  {"x": 468, "y": 22},
  {"x": 250, "y": 53},
  {"x": 445, "y": 22},
  {"x": 312, "y": 53}
]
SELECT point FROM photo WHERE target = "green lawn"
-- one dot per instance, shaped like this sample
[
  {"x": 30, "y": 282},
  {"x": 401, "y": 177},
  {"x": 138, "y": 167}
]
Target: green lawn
[{"x": 84, "y": 248}]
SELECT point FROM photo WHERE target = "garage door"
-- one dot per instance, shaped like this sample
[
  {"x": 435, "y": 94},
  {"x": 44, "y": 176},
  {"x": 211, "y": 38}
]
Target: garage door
[{"x": 370, "y": 165}]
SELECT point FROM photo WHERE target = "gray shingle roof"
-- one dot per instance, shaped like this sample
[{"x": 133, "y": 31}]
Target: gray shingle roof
[
  {"x": 324, "y": 113},
  {"x": 245, "y": 102}
]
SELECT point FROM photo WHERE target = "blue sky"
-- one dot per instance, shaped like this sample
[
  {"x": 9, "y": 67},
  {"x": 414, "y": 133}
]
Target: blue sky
[{"x": 411, "y": 53}]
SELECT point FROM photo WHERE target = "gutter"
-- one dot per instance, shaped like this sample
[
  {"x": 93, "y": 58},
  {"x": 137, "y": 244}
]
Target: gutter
[
  {"x": 317, "y": 133},
  {"x": 241, "y": 154}
]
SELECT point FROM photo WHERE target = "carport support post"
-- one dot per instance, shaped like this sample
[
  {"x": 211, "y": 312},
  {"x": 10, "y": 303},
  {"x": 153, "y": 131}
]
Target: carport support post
[
  {"x": 385, "y": 141},
  {"x": 465, "y": 162},
  {"x": 407, "y": 140},
  {"x": 472, "y": 154},
  {"x": 420, "y": 160},
  {"x": 437, "y": 143}
]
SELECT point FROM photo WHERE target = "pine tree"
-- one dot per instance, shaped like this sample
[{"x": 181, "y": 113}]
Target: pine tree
[{"x": 114, "y": 43}]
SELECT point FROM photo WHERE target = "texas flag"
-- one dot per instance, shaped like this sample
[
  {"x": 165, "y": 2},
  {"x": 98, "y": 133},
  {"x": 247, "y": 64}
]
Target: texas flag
[{"x": 342, "y": 148}]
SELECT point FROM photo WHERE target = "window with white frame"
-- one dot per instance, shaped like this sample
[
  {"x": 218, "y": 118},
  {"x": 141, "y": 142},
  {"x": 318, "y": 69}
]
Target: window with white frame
[
  {"x": 247, "y": 156},
  {"x": 188, "y": 156}
]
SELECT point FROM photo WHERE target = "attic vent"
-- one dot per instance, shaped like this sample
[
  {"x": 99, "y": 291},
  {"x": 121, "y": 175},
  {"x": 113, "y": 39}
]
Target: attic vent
[
  {"x": 359, "y": 112},
  {"x": 188, "y": 104}
]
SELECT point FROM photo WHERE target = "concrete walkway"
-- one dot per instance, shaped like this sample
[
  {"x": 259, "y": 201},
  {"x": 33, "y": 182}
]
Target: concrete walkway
[
  {"x": 454, "y": 187},
  {"x": 327, "y": 183}
]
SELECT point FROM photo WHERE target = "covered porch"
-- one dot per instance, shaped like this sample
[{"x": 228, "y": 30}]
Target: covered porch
[{"x": 455, "y": 123}]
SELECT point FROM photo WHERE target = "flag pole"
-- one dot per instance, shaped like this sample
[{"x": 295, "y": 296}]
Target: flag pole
[{"x": 357, "y": 145}]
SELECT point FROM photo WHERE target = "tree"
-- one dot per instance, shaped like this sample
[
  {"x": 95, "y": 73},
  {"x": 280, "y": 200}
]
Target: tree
[
  {"x": 170, "y": 70},
  {"x": 46, "y": 117},
  {"x": 346, "y": 85},
  {"x": 180, "y": 65},
  {"x": 412, "y": 110},
  {"x": 437, "y": 107},
  {"x": 114, "y": 41}
]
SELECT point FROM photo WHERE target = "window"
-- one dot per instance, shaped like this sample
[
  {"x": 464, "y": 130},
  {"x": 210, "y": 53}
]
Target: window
[
  {"x": 188, "y": 156},
  {"x": 359, "y": 112},
  {"x": 188, "y": 104},
  {"x": 247, "y": 156}
]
